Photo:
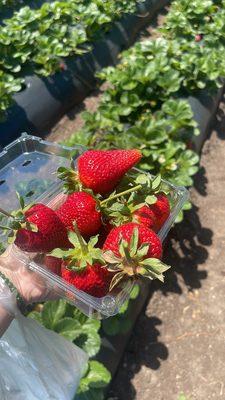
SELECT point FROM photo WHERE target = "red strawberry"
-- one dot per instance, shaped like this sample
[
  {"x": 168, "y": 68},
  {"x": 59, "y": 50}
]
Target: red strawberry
[
  {"x": 83, "y": 265},
  {"x": 132, "y": 250},
  {"x": 51, "y": 232},
  {"x": 94, "y": 279},
  {"x": 198, "y": 37},
  {"x": 81, "y": 207},
  {"x": 102, "y": 170},
  {"x": 145, "y": 235},
  {"x": 53, "y": 264},
  {"x": 155, "y": 215}
]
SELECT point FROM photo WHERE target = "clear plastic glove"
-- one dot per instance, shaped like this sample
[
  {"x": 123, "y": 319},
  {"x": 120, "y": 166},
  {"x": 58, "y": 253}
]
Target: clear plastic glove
[
  {"x": 31, "y": 286},
  {"x": 36, "y": 363}
]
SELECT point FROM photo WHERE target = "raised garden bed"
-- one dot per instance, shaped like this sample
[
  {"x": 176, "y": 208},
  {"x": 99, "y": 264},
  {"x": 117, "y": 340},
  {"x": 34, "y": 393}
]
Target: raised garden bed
[{"x": 44, "y": 100}]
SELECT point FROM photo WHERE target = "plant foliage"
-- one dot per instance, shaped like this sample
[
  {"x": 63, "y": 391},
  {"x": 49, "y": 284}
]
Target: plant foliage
[
  {"x": 37, "y": 40},
  {"x": 69, "y": 322}
]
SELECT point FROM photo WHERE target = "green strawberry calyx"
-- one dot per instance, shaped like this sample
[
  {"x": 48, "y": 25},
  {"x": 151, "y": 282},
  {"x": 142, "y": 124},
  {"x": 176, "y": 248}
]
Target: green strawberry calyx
[
  {"x": 82, "y": 254},
  {"x": 132, "y": 262},
  {"x": 143, "y": 191},
  {"x": 17, "y": 220},
  {"x": 70, "y": 178}
]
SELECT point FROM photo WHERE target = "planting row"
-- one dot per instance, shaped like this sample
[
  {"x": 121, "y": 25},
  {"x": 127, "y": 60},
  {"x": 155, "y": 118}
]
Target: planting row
[
  {"x": 145, "y": 104},
  {"x": 37, "y": 40}
]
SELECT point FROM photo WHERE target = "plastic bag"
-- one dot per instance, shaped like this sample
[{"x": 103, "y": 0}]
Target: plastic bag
[{"x": 36, "y": 363}]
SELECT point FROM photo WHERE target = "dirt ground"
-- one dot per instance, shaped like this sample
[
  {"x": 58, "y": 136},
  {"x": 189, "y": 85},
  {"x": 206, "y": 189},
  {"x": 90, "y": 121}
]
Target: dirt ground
[{"x": 178, "y": 344}]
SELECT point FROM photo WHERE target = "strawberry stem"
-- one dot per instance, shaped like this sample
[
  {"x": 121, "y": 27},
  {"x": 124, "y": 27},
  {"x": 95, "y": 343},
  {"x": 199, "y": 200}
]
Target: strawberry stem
[
  {"x": 6, "y": 213},
  {"x": 83, "y": 245},
  {"x": 131, "y": 190}
]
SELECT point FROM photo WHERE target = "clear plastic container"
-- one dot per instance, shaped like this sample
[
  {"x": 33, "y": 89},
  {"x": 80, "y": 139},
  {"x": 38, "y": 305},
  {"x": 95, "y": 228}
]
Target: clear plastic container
[{"x": 28, "y": 166}]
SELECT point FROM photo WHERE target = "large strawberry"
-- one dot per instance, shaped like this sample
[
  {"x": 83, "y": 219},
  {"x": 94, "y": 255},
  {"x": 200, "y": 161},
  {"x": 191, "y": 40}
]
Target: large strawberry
[
  {"x": 81, "y": 207},
  {"x": 83, "y": 265},
  {"x": 94, "y": 279},
  {"x": 144, "y": 203},
  {"x": 134, "y": 250},
  {"x": 51, "y": 232},
  {"x": 35, "y": 228},
  {"x": 100, "y": 170},
  {"x": 155, "y": 215}
]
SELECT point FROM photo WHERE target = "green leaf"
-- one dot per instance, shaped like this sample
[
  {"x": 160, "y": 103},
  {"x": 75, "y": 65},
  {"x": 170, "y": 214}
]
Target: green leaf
[
  {"x": 68, "y": 327},
  {"x": 134, "y": 242},
  {"x": 141, "y": 179},
  {"x": 73, "y": 238},
  {"x": 90, "y": 394},
  {"x": 58, "y": 253},
  {"x": 52, "y": 312},
  {"x": 21, "y": 200},
  {"x": 37, "y": 316},
  {"x": 135, "y": 292},
  {"x": 111, "y": 326},
  {"x": 92, "y": 343},
  {"x": 156, "y": 182},
  {"x": 151, "y": 199},
  {"x": 97, "y": 377},
  {"x": 155, "y": 265},
  {"x": 143, "y": 250}
]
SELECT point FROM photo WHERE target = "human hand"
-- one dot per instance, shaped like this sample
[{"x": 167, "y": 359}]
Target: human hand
[{"x": 31, "y": 286}]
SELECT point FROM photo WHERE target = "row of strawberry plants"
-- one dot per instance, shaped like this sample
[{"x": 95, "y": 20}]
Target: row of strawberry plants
[
  {"x": 145, "y": 103},
  {"x": 37, "y": 40}
]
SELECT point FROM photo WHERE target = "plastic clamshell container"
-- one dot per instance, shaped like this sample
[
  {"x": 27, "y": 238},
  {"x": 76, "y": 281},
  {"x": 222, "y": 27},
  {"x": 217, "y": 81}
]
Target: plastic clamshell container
[{"x": 28, "y": 166}]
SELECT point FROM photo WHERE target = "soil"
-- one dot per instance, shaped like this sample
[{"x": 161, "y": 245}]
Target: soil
[{"x": 177, "y": 345}]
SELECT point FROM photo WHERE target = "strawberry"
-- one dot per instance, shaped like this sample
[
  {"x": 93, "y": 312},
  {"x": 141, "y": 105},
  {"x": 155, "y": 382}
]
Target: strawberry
[
  {"x": 53, "y": 264},
  {"x": 133, "y": 250},
  {"x": 155, "y": 215},
  {"x": 81, "y": 207},
  {"x": 198, "y": 37},
  {"x": 82, "y": 265},
  {"x": 125, "y": 232},
  {"x": 146, "y": 203},
  {"x": 99, "y": 170},
  {"x": 36, "y": 228},
  {"x": 94, "y": 279}
]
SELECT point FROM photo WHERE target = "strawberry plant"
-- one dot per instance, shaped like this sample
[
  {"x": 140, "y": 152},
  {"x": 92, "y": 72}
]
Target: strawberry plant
[
  {"x": 36, "y": 40},
  {"x": 8, "y": 86},
  {"x": 143, "y": 105},
  {"x": 202, "y": 21}
]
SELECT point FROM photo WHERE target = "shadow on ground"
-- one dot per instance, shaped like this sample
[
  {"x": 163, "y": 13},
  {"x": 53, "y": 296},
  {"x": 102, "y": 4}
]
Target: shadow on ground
[
  {"x": 185, "y": 250},
  {"x": 220, "y": 120}
]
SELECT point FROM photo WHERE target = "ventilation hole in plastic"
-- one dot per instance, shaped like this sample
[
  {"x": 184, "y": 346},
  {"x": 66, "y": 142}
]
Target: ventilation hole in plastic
[
  {"x": 2, "y": 181},
  {"x": 29, "y": 194},
  {"x": 26, "y": 163}
]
